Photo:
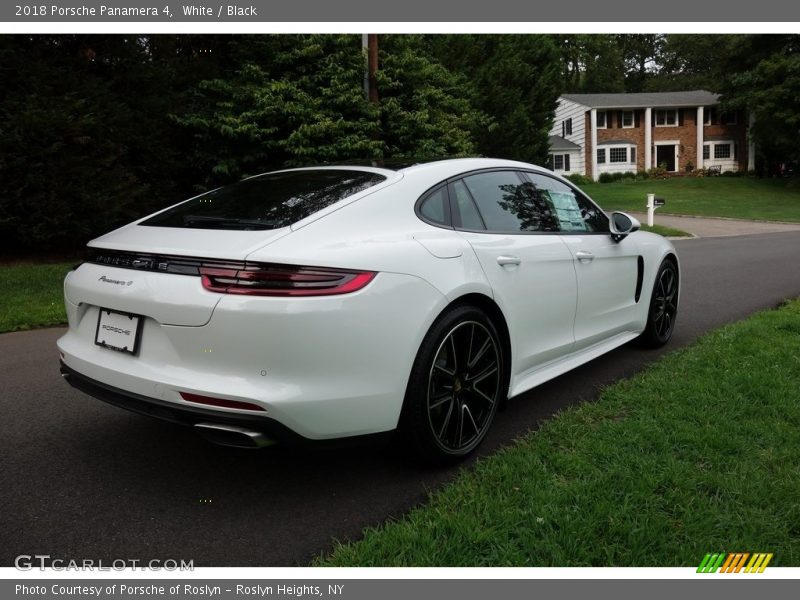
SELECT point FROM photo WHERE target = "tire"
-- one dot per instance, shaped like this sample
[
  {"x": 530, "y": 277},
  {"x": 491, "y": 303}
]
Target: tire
[
  {"x": 456, "y": 385},
  {"x": 663, "y": 310}
]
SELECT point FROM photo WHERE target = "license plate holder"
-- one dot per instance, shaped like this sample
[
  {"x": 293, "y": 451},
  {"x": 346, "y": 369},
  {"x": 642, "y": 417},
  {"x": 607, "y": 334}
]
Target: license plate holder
[{"x": 118, "y": 331}]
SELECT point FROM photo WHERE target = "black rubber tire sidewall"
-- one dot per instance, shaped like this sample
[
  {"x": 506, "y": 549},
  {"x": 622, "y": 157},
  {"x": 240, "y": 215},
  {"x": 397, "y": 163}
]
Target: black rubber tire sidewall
[{"x": 415, "y": 432}]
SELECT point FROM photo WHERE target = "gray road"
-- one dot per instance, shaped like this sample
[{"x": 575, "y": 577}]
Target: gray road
[{"x": 79, "y": 479}]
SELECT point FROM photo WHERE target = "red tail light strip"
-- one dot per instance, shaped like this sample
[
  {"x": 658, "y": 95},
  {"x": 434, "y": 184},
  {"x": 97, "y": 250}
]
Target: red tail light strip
[
  {"x": 281, "y": 280},
  {"x": 198, "y": 399}
]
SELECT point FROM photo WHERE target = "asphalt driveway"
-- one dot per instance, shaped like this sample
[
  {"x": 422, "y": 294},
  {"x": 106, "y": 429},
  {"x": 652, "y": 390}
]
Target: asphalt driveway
[{"x": 80, "y": 479}]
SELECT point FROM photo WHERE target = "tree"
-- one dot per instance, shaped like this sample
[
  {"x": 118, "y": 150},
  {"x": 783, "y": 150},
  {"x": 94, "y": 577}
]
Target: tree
[
  {"x": 640, "y": 54},
  {"x": 516, "y": 80},
  {"x": 592, "y": 63},
  {"x": 763, "y": 78},
  {"x": 690, "y": 62},
  {"x": 425, "y": 109}
]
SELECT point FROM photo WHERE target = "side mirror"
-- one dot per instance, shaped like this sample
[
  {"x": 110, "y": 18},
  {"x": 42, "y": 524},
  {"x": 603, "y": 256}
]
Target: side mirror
[{"x": 621, "y": 224}]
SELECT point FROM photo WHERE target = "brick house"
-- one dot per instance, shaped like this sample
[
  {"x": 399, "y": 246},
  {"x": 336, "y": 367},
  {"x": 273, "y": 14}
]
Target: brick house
[{"x": 609, "y": 133}]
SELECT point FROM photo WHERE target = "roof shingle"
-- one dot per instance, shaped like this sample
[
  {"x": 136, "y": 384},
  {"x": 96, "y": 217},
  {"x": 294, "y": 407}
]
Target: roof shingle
[{"x": 645, "y": 99}]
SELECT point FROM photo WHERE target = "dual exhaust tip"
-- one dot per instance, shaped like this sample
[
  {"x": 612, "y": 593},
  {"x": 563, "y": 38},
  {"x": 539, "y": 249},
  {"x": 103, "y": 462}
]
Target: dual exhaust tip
[{"x": 233, "y": 436}]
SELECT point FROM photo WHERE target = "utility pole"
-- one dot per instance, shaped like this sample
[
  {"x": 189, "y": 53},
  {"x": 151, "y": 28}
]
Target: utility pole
[
  {"x": 369, "y": 46},
  {"x": 365, "y": 57}
]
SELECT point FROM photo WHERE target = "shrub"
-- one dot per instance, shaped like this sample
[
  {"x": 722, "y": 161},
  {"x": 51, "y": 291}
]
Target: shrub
[
  {"x": 629, "y": 175},
  {"x": 579, "y": 179},
  {"x": 657, "y": 173},
  {"x": 641, "y": 175},
  {"x": 689, "y": 168},
  {"x": 606, "y": 178}
]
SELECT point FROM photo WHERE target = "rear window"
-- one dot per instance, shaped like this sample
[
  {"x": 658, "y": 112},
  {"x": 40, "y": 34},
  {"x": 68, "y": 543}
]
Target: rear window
[{"x": 268, "y": 201}]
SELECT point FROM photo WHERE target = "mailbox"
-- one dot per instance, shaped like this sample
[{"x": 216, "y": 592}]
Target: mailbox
[{"x": 659, "y": 201}]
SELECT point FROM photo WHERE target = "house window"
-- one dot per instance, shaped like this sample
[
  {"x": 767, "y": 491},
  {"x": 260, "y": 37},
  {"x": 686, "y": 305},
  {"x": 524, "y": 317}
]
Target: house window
[
  {"x": 722, "y": 150},
  {"x": 602, "y": 119},
  {"x": 667, "y": 118},
  {"x": 559, "y": 162},
  {"x": 566, "y": 127},
  {"x": 601, "y": 156},
  {"x": 633, "y": 155},
  {"x": 706, "y": 151},
  {"x": 618, "y": 155},
  {"x": 627, "y": 119},
  {"x": 730, "y": 118}
]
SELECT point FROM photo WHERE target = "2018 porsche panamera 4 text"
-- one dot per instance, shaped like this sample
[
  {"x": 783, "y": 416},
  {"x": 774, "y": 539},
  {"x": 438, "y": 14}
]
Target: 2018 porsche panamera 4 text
[{"x": 332, "y": 302}]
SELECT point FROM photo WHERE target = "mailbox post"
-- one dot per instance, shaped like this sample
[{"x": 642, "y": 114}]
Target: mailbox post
[{"x": 653, "y": 202}]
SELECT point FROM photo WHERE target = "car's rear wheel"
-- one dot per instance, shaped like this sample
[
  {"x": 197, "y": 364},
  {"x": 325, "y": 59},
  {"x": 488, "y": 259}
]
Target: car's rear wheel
[
  {"x": 663, "y": 310},
  {"x": 456, "y": 385}
]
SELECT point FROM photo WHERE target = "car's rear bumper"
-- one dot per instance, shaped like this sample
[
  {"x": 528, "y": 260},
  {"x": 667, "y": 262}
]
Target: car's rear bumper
[
  {"x": 325, "y": 368},
  {"x": 191, "y": 416}
]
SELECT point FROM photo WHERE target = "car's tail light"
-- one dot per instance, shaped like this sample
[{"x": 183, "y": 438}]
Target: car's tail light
[
  {"x": 282, "y": 280},
  {"x": 198, "y": 399}
]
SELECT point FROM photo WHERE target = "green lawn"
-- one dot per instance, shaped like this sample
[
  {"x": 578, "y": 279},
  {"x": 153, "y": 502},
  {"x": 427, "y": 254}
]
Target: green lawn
[
  {"x": 736, "y": 197},
  {"x": 31, "y": 295},
  {"x": 699, "y": 453},
  {"x": 665, "y": 231}
]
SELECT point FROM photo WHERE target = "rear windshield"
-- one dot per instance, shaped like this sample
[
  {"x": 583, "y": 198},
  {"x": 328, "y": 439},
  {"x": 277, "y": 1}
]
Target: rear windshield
[{"x": 268, "y": 201}]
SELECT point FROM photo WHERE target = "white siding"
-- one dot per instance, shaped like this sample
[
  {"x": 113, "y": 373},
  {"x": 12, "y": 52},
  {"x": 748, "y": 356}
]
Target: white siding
[
  {"x": 567, "y": 109},
  {"x": 575, "y": 164}
]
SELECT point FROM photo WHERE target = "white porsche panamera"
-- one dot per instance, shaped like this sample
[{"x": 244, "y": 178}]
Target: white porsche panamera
[{"x": 336, "y": 302}]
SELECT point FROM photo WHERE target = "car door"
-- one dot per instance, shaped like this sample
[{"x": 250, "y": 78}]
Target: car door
[
  {"x": 528, "y": 265},
  {"x": 608, "y": 272}
]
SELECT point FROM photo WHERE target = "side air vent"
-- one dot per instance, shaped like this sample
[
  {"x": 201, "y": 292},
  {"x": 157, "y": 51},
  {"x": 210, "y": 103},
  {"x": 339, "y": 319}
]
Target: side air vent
[{"x": 639, "y": 277}]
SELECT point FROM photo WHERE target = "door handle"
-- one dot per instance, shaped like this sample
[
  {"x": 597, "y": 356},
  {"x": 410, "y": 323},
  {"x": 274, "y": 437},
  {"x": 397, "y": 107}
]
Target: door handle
[
  {"x": 584, "y": 256},
  {"x": 508, "y": 260}
]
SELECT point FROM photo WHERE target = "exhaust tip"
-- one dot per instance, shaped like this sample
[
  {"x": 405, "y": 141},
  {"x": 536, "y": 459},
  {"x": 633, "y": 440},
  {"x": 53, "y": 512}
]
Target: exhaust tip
[{"x": 233, "y": 436}]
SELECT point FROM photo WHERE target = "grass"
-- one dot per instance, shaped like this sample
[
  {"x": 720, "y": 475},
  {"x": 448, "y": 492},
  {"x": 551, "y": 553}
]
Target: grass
[
  {"x": 699, "y": 453},
  {"x": 735, "y": 197},
  {"x": 665, "y": 231},
  {"x": 31, "y": 295}
]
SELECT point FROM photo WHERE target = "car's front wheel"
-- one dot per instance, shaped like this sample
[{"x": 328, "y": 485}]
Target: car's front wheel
[
  {"x": 663, "y": 310},
  {"x": 456, "y": 385}
]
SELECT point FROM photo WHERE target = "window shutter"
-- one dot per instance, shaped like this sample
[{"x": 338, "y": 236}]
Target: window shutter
[
  {"x": 566, "y": 162},
  {"x": 563, "y": 129},
  {"x": 680, "y": 117},
  {"x": 637, "y": 121},
  {"x": 619, "y": 119},
  {"x": 653, "y": 118}
]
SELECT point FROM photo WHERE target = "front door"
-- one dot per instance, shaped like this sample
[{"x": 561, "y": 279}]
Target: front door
[
  {"x": 607, "y": 271},
  {"x": 528, "y": 266},
  {"x": 665, "y": 155}
]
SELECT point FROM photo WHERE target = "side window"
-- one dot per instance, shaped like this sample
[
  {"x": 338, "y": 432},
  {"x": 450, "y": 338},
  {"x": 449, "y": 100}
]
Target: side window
[
  {"x": 435, "y": 207},
  {"x": 509, "y": 204},
  {"x": 574, "y": 211},
  {"x": 467, "y": 213}
]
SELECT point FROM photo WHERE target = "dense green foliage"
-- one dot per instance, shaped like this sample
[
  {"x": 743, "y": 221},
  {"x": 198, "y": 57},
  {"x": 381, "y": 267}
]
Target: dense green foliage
[
  {"x": 515, "y": 80},
  {"x": 96, "y": 130}
]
